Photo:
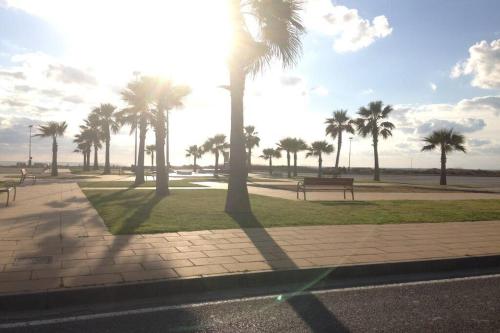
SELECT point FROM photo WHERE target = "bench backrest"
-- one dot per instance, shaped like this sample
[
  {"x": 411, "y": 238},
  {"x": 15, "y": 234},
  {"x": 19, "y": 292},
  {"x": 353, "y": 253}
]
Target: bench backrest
[
  {"x": 328, "y": 181},
  {"x": 24, "y": 172}
]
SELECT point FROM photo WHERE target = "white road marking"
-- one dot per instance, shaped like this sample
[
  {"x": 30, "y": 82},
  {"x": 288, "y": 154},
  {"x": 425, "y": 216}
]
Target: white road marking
[{"x": 279, "y": 297}]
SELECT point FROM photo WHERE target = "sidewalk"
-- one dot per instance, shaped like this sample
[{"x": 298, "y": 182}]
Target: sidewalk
[{"x": 52, "y": 239}]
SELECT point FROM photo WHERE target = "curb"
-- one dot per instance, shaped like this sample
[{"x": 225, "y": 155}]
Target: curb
[{"x": 279, "y": 281}]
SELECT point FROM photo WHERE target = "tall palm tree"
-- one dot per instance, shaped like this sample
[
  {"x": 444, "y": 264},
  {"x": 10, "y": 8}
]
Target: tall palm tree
[
  {"x": 150, "y": 150},
  {"x": 298, "y": 145},
  {"x": 216, "y": 145},
  {"x": 339, "y": 123},
  {"x": 262, "y": 30},
  {"x": 138, "y": 95},
  {"x": 84, "y": 143},
  {"x": 372, "y": 122},
  {"x": 251, "y": 140},
  {"x": 53, "y": 130},
  {"x": 448, "y": 141},
  {"x": 196, "y": 152},
  {"x": 318, "y": 148},
  {"x": 109, "y": 124},
  {"x": 168, "y": 96},
  {"x": 268, "y": 154},
  {"x": 287, "y": 145},
  {"x": 92, "y": 127}
]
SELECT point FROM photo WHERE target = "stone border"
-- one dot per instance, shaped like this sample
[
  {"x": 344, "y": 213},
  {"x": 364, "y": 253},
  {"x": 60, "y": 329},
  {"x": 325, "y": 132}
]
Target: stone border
[{"x": 278, "y": 281}]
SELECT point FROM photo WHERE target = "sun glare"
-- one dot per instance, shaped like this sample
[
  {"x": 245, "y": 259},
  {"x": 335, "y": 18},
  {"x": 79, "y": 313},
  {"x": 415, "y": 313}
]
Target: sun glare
[{"x": 184, "y": 39}]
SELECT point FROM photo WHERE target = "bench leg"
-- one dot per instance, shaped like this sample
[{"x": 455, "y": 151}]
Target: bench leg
[
  {"x": 15, "y": 194},
  {"x": 297, "y": 194},
  {"x": 304, "y": 195},
  {"x": 352, "y": 193},
  {"x": 344, "y": 194}
]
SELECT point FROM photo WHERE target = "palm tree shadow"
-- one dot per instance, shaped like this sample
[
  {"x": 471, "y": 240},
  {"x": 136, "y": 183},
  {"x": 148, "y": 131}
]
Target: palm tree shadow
[{"x": 310, "y": 309}]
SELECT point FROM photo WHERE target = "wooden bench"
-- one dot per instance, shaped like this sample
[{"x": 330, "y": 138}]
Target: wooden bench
[
  {"x": 150, "y": 174},
  {"x": 24, "y": 175},
  {"x": 7, "y": 188},
  {"x": 325, "y": 184}
]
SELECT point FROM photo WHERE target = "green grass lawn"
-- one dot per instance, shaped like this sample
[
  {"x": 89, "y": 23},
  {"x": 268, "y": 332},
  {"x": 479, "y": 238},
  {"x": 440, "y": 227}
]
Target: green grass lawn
[
  {"x": 129, "y": 211},
  {"x": 126, "y": 184}
]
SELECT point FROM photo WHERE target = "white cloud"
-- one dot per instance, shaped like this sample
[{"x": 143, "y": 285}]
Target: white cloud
[
  {"x": 369, "y": 91},
  {"x": 349, "y": 30},
  {"x": 483, "y": 64},
  {"x": 320, "y": 90},
  {"x": 433, "y": 86}
]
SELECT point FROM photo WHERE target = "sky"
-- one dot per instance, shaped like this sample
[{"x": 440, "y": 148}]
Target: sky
[{"x": 436, "y": 62}]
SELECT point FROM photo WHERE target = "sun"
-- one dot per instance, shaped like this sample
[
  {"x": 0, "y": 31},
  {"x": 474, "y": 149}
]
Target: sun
[{"x": 186, "y": 39}]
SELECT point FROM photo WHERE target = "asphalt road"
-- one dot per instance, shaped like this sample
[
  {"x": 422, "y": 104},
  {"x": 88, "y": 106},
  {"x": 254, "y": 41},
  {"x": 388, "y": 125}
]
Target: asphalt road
[{"x": 456, "y": 305}]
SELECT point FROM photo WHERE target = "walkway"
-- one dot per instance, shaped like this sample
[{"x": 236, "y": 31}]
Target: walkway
[{"x": 52, "y": 238}]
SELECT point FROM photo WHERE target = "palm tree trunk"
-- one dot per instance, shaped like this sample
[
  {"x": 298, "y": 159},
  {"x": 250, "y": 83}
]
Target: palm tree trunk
[
  {"x": 54, "y": 157},
  {"x": 270, "y": 166},
  {"x": 194, "y": 164},
  {"x": 288, "y": 164},
  {"x": 161, "y": 171},
  {"x": 152, "y": 160},
  {"x": 339, "y": 145},
  {"x": 320, "y": 165},
  {"x": 216, "y": 167},
  {"x": 167, "y": 147},
  {"x": 442, "y": 181},
  {"x": 84, "y": 160},
  {"x": 376, "y": 175},
  {"x": 86, "y": 167},
  {"x": 295, "y": 164},
  {"x": 107, "y": 166},
  {"x": 237, "y": 200},
  {"x": 139, "y": 169},
  {"x": 249, "y": 159},
  {"x": 96, "y": 162}
]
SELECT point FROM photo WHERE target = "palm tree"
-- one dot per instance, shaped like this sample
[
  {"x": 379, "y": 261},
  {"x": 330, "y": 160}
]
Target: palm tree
[
  {"x": 371, "y": 122},
  {"x": 287, "y": 145},
  {"x": 53, "y": 130},
  {"x": 339, "y": 123},
  {"x": 168, "y": 96},
  {"x": 269, "y": 154},
  {"x": 297, "y": 146},
  {"x": 216, "y": 145},
  {"x": 139, "y": 96},
  {"x": 108, "y": 124},
  {"x": 275, "y": 31},
  {"x": 251, "y": 140},
  {"x": 318, "y": 148},
  {"x": 84, "y": 144},
  {"x": 150, "y": 150},
  {"x": 92, "y": 127},
  {"x": 196, "y": 152},
  {"x": 448, "y": 141}
]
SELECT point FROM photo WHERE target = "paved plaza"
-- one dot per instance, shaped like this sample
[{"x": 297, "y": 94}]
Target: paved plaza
[{"x": 52, "y": 238}]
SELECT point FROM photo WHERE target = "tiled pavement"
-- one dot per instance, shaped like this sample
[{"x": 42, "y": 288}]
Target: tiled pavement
[{"x": 52, "y": 238}]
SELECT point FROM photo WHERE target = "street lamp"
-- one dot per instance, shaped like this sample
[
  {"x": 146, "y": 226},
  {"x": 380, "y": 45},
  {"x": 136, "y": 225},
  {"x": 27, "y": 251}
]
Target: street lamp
[
  {"x": 350, "y": 143},
  {"x": 29, "y": 152}
]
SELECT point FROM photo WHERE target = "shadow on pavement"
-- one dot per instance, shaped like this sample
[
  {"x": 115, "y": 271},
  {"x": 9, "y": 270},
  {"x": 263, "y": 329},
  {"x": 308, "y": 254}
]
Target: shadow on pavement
[{"x": 312, "y": 311}]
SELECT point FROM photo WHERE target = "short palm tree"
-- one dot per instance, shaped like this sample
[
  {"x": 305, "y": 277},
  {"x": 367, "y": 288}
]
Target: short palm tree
[
  {"x": 447, "y": 141},
  {"x": 297, "y": 146},
  {"x": 287, "y": 145},
  {"x": 150, "y": 150},
  {"x": 139, "y": 96},
  {"x": 338, "y": 123},
  {"x": 216, "y": 145},
  {"x": 168, "y": 96},
  {"x": 251, "y": 140},
  {"x": 52, "y": 130},
  {"x": 195, "y": 152},
  {"x": 318, "y": 148},
  {"x": 92, "y": 127},
  {"x": 262, "y": 31},
  {"x": 372, "y": 121},
  {"x": 268, "y": 154},
  {"x": 109, "y": 124}
]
